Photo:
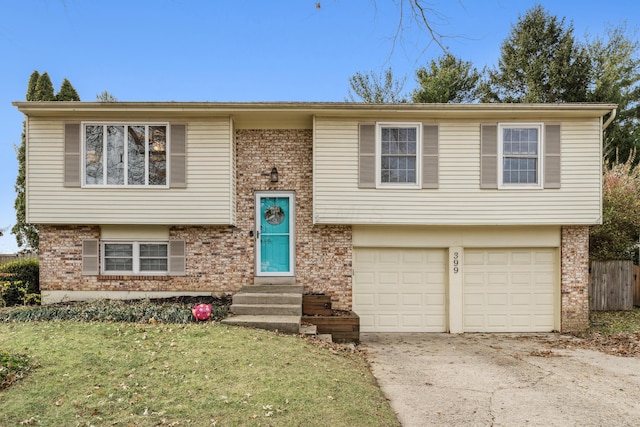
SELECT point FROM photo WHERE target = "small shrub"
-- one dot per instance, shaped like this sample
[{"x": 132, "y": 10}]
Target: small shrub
[
  {"x": 17, "y": 293},
  {"x": 25, "y": 270},
  {"x": 13, "y": 367}
]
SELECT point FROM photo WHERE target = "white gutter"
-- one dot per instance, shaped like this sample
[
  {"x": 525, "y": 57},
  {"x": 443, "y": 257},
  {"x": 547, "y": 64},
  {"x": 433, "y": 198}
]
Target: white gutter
[{"x": 610, "y": 119}]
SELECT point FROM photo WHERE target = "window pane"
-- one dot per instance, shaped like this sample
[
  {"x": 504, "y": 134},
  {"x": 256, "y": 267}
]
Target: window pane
[
  {"x": 136, "y": 152},
  {"x": 153, "y": 250},
  {"x": 118, "y": 257},
  {"x": 118, "y": 249},
  {"x": 115, "y": 155},
  {"x": 519, "y": 170},
  {"x": 411, "y": 148},
  {"x": 93, "y": 154},
  {"x": 118, "y": 264},
  {"x": 157, "y": 155},
  {"x": 153, "y": 264}
]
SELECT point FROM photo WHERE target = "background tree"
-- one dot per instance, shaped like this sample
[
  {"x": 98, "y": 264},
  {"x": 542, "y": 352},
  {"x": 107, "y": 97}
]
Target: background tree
[
  {"x": 540, "y": 62},
  {"x": 376, "y": 88},
  {"x": 618, "y": 235},
  {"x": 105, "y": 97},
  {"x": 39, "y": 88},
  {"x": 44, "y": 89},
  {"x": 615, "y": 73},
  {"x": 67, "y": 92},
  {"x": 447, "y": 79},
  {"x": 31, "y": 86}
]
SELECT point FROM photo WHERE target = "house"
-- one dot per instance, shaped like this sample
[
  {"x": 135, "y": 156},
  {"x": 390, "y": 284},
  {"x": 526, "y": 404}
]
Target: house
[{"x": 419, "y": 217}]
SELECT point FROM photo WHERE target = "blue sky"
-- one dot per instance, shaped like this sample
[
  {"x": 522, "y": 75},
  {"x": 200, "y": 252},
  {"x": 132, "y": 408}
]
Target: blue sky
[{"x": 241, "y": 50}]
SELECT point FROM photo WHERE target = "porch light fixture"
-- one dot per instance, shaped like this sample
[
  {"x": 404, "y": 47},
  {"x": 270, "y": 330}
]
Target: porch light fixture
[{"x": 274, "y": 175}]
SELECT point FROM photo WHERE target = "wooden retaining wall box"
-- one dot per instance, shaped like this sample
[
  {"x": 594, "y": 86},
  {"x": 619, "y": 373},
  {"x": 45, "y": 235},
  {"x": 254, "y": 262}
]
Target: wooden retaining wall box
[
  {"x": 314, "y": 305},
  {"x": 344, "y": 326}
]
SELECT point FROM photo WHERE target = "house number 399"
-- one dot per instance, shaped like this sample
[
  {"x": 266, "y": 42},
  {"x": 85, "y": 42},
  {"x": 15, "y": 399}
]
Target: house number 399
[{"x": 456, "y": 262}]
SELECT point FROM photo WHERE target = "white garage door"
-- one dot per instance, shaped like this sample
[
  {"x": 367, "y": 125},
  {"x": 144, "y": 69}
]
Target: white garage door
[
  {"x": 400, "y": 290},
  {"x": 509, "y": 290}
]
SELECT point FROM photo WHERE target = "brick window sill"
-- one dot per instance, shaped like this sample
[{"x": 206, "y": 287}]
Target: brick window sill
[{"x": 143, "y": 278}]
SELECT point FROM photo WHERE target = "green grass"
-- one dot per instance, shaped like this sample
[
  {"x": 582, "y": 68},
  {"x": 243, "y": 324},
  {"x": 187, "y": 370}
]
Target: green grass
[
  {"x": 124, "y": 374},
  {"x": 615, "y": 322}
]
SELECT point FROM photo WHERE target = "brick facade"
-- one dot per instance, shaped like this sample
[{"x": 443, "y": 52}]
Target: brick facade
[
  {"x": 221, "y": 258},
  {"x": 574, "y": 261}
]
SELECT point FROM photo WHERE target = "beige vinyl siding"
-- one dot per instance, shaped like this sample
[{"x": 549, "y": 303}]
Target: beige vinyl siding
[
  {"x": 206, "y": 199},
  {"x": 459, "y": 198}
]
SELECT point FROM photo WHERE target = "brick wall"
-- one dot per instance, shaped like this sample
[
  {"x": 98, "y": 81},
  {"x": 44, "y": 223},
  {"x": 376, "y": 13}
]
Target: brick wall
[
  {"x": 575, "y": 279},
  {"x": 323, "y": 253},
  {"x": 221, "y": 258}
]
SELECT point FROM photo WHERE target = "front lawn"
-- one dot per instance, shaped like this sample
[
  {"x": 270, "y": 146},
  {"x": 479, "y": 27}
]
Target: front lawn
[{"x": 133, "y": 374}]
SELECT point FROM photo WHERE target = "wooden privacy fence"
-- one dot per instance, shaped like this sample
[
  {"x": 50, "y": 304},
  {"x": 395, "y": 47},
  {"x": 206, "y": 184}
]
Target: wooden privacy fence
[
  {"x": 611, "y": 285},
  {"x": 12, "y": 257},
  {"x": 636, "y": 287}
]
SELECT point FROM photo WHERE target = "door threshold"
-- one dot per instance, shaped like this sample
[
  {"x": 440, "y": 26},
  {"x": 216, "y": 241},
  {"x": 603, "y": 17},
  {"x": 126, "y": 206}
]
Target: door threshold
[{"x": 274, "y": 280}]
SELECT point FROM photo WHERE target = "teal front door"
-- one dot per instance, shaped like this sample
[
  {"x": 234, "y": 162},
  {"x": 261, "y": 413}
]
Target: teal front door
[{"x": 275, "y": 234}]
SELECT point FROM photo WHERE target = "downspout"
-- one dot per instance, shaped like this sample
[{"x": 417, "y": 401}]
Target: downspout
[{"x": 610, "y": 119}]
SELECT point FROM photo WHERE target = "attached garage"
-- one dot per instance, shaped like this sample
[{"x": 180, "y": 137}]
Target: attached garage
[
  {"x": 400, "y": 289},
  {"x": 462, "y": 285},
  {"x": 509, "y": 290}
]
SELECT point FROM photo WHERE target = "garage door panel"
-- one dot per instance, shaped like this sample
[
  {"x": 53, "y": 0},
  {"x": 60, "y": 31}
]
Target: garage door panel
[
  {"x": 521, "y": 258},
  {"x": 434, "y": 300},
  {"x": 364, "y": 300},
  {"x": 497, "y": 258},
  {"x": 367, "y": 321},
  {"x": 512, "y": 290},
  {"x": 388, "y": 321},
  {"x": 499, "y": 300},
  {"x": 408, "y": 288}
]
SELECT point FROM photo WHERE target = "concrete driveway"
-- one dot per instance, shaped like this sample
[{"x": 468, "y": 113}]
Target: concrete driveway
[{"x": 502, "y": 380}]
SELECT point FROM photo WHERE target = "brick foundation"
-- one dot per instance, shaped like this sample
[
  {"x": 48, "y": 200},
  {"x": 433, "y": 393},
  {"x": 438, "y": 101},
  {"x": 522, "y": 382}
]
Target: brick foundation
[{"x": 575, "y": 279}]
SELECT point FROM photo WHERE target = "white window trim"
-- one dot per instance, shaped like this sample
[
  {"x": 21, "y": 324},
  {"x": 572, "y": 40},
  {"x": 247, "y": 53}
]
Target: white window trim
[
  {"x": 403, "y": 185},
  {"x": 136, "y": 258},
  {"x": 539, "y": 173},
  {"x": 83, "y": 155}
]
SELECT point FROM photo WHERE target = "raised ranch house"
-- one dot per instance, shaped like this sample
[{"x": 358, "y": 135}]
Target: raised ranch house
[{"x": 419, "y": 217}]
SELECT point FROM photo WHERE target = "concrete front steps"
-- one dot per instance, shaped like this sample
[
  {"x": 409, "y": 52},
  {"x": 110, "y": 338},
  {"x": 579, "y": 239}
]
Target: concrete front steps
[{"x": 268, "y": 306}]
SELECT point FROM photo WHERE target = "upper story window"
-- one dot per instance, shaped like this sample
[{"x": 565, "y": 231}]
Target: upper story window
[
  {"x": 398, "y": 154},
  {"x": 125, "y": 154},
  {"x": 520, "y": 154}
]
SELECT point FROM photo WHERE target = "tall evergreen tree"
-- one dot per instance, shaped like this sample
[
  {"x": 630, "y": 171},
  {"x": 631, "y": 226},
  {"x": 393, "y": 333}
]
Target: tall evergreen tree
[
  {"x": 615, "y": 78},
  {"x": 44, "y": 89},
  {"x": 39, "y": 88},
  {"x": 31, "y": 87},
  {"x": 447, "y": 79},
  {"x": 67, "y": 92},
  {"x": 540, "y": 62}
]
